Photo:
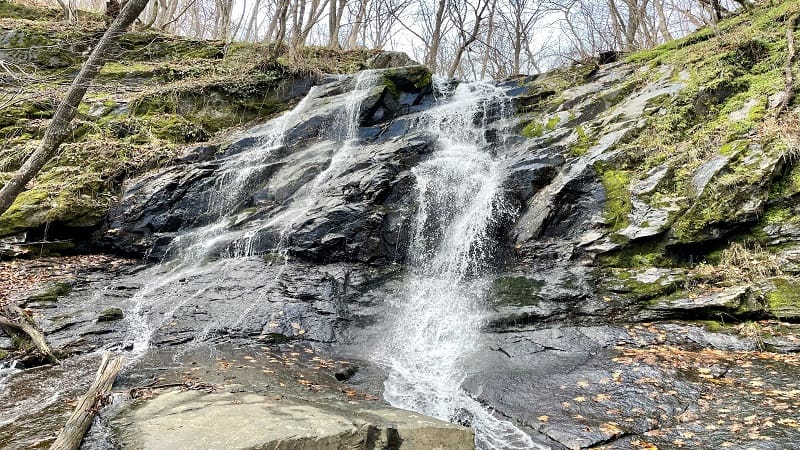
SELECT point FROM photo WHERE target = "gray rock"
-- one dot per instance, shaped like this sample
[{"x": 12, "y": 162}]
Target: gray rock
[
  {"x": 706, "y": 172},
  {"x": 192, "y": 419},
  {"x": 386, "y": 59},
  {"x": 702, "y": 306}
]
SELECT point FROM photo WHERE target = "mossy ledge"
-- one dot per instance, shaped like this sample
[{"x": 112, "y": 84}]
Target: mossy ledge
[{"x": 163, "y": 94}]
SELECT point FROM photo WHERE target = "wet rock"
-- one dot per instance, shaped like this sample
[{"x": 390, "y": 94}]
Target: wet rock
[
  {"x": 707, "y": 171},
  {"x": 733, "y": 301},
  {"x": 345, "y": 371},
  {"x": 230, "y": 420},
  {"x": 110, "y": 314},
  {"x": 307, "y": 191}
]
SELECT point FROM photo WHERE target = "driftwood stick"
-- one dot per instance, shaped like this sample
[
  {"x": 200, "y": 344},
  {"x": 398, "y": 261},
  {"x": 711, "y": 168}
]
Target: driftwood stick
[
  {"x": 12, "y": 318},
  {"x": 78, "y": 423}
]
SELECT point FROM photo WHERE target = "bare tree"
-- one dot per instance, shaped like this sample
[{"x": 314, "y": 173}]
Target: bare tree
[{"x": 58, "y": 130}]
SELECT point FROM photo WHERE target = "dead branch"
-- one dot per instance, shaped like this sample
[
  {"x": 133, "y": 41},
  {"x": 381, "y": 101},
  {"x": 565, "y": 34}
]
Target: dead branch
[{"x": 14, "y": 320}]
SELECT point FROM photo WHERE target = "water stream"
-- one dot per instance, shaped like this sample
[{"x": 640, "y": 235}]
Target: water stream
[{"x": 441, "y": 308}]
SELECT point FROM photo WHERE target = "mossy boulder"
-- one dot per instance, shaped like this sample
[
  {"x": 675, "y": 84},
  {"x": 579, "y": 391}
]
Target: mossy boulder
[
  {"x": 783, "y": 300},
  {"x": 412, "y": 79}
]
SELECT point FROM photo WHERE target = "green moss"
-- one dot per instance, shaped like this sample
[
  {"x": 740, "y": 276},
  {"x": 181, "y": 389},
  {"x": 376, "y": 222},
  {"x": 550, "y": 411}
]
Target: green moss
[
  {"x": 712, "y": 325},
  {"x": 582, "y": 144},
  {"x": 176, "y": 128},
  {"x": 3, "y": 354},
  {"x": 409, "y": 79},
  {"x": 784, "y": 300},
  {"x": 110, "y": 315},
  {"x": 788, "y": 185},
  {"x": 640, "y": 290},
  {"x": 117, "y": 71},
  {"x": 51, "y": 293},
  {"x": 533, "y": 129},
  {"x": 618, "y": 207},
  {"x": 654, "y": 53},
  {"x": 18, "y": 216},
  {"x": 391, "y": 87},
  {"x": 638, "y": 255},
  {"x": 515, "y": 291},
  {"x": 14, "y": 10}
]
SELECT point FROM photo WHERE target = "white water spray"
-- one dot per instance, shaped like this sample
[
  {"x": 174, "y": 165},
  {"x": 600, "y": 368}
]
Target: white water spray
[
  {"x": 440, "y": 310},
  {"x": 192, "y": 249}
]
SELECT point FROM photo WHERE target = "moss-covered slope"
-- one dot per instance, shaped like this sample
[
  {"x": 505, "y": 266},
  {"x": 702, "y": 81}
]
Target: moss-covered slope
[
  {"x": 161, "y": 94},
  {"x": 697, "y": 166}
]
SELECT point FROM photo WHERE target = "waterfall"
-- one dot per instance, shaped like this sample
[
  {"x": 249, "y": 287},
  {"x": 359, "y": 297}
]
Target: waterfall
[
  {"x": 190, "y": 252},
  {"x": 441, "y": 308}
]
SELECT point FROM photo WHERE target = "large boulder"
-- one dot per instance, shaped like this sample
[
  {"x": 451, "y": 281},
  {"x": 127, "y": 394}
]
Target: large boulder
[{"x": 230, "y": 420}]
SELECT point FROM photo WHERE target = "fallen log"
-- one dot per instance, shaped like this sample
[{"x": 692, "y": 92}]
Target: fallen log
[
  {"x": 71, "y": 435},
  {"x": 15, "y": 320}
]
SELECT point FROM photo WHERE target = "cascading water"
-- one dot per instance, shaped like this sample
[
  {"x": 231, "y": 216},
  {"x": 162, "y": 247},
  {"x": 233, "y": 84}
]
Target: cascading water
[
  {"x": 191, "y": 250},
  {"x": 440, "y": 309}
]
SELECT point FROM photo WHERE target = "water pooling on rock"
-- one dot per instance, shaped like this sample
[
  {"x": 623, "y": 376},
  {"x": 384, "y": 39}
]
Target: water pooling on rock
[{"x": 441, "y": 308}]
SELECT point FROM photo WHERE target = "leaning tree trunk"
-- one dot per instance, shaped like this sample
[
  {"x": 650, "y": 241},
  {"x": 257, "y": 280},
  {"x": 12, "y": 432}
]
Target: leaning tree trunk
[{"x": 58, "y": 130}]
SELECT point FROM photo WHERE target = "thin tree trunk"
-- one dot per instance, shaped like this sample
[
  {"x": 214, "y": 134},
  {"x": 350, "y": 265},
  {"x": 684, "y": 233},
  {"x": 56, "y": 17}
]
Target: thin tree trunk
[
  {"x": 58, "y": 130},
  {"x": 273, "y": 22},
  {"x": 333, "y": 25},
  {"x": 315, "y": 13},
  {"x": 352, "y": 39},
  {"x": 249, "y": 32},
  {"x": 436, "y": 37},
  {"x": 472, "y": 37},
  {"x": 489, "y": 36},
  {"x": 663, "y": 26},
  {"x": 78, "y": 423}
]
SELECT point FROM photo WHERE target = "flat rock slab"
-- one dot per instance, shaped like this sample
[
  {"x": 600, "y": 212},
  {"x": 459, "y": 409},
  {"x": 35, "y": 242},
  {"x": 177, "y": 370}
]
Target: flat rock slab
[{"x": 179, "y": 420}]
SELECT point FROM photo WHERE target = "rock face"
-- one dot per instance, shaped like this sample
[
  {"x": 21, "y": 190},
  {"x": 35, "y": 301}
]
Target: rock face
[
  {"x": 358, "y": 215},
  {"x": 191, "y": 419}
]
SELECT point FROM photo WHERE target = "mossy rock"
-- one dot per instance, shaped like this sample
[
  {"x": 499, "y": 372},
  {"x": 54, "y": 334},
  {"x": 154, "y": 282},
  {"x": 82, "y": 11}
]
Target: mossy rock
[
  {"x": 407, "y": 79},
  {"x": 28, "y": 210},
  {"x": 618, "y": 206},
  {"x": 645, "y": 284},
  {"x": 50, "y": 293},
  {"x": 110, "y": 315},
  {"x": 784, "y": 300}
]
